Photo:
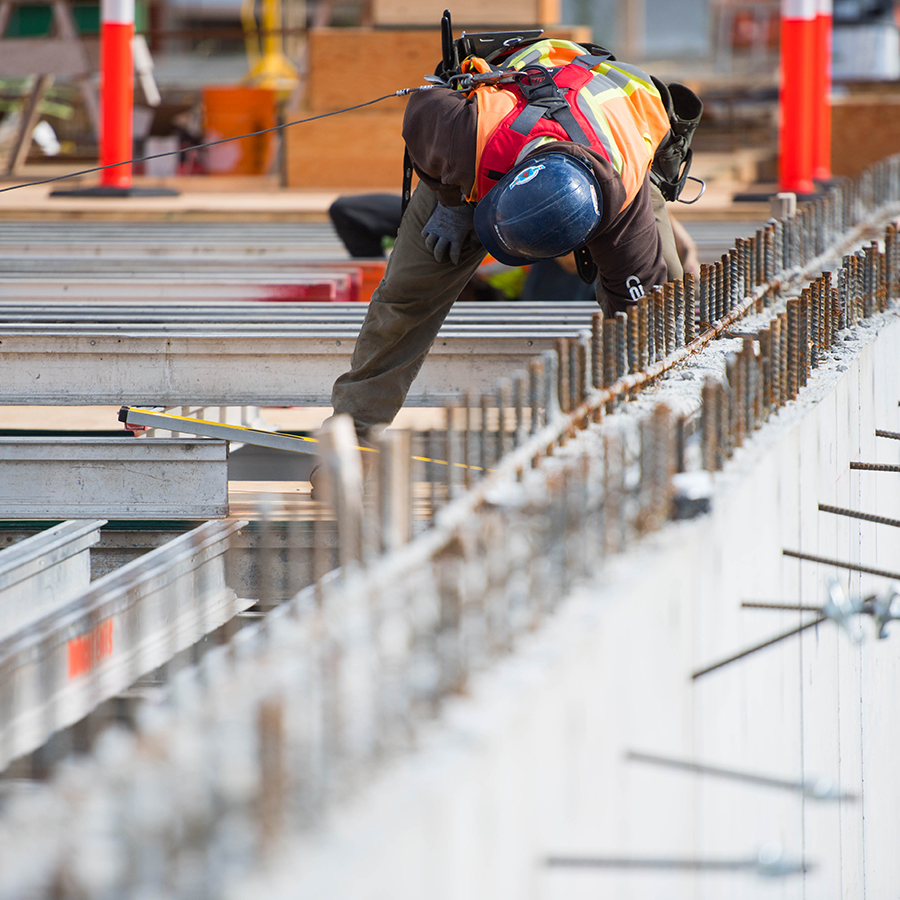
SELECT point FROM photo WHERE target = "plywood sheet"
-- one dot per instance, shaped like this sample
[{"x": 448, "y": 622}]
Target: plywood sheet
[
  {"x": 467, "y": 12},
  {"x": 865, "y": 129},
  {"x": 361, "y": 150},
  {"x": 353, "y": 65}
]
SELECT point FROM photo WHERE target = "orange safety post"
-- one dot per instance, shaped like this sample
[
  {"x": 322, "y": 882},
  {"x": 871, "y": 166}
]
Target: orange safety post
[
  {"x": 798, "y": 59},
  {"x": 116, "y": 90},
  {"x": 821, "y": 169}
]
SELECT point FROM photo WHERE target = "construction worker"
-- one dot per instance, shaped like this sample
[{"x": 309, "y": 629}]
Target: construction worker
[{"x": 543, "y": 150}]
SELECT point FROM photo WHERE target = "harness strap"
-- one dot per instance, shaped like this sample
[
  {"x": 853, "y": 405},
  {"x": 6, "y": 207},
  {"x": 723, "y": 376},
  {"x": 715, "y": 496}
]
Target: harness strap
[
  {"x": 545, "y": 99},
  {"x": 407, "y": 180}
]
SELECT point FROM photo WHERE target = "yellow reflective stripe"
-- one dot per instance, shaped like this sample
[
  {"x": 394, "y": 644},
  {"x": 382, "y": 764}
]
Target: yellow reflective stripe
[
  {"x": 596, "y": 117},
  {"x": 552, "y": 52}
]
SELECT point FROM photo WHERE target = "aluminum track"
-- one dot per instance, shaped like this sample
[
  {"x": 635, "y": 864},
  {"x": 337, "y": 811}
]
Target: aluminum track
[{"x": 97, "y": 643}]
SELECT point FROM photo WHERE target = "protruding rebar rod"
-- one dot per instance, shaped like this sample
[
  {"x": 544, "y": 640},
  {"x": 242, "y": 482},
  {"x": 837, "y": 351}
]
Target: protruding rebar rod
[
  {"x": 874, "y": 467},
  {"x": 853, "y": 567},
  {"x": 503, "y": 393},
  {"x": 690, "y": 307},
  {"x": 484, "y": 459},
  {"x": 708, "y": 430},
  {"x": 535, "y": 381},
  {"x": 562, "y": 354},
  {"x": 669, "y": 312},
  {"x": 793, "y": 347},
  {"x": 643, "y": 333},
  {"x": 813, "y": 308},
  {"x": 597, "y": 381},
  {"x": 893, "y": 435},
  {"x": 621, "y": 345},
  {"x": 634, "y": 357},
  {"x": 810, "y": 788},
  {"x": 609, "y": 352},
  {"x": 757, "y": 647},
  {"x": 659, "y": 317},
  {"x": 705, "y": 283},
  {"x": 678, "y": 302},
  {"x": 853, "y": 514},
  {"x": 780, "y": 607}
]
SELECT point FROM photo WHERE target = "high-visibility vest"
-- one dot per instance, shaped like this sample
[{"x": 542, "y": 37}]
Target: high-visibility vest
[{"x": 617, "y": 109}]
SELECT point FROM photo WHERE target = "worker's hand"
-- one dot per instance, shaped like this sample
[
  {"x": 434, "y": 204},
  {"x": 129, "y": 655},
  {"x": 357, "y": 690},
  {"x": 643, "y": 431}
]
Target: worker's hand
[{"x": 446, "y": 231}]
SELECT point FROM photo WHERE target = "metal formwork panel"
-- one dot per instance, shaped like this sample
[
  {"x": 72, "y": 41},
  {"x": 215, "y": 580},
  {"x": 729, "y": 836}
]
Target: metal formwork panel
[
  {"x": 41, "y": 572},
  {"x": 116, "y": 478},
  {"x": 55, "y": 671}
]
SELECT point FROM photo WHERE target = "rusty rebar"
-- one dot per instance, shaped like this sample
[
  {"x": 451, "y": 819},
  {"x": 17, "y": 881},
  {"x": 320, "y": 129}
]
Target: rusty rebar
[
  {"x": 562, "y": 353},
  {"x": 678, "y": 310},
  {"x": 874, "y": 467},
  {"x": 597, "y": 380},
  {"x": 634, "y": 357},
  {"x": 643, "y": 332},
  {"x": 621, "y": 345},
  {"x": 705, "y": 282},
  {"x": 708, "y": 430},
  {"x": 659, "y": 317},
  {"x": 853, "y": 567},
  {"x": 690, "y": 307},
  {"x": 854, "y": 514},
  {"x": 669, "y": 308}
]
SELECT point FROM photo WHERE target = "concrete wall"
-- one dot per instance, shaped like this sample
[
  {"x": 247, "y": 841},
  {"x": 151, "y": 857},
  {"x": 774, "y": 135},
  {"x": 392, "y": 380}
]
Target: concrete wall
[{"x": 531, "y": 762}]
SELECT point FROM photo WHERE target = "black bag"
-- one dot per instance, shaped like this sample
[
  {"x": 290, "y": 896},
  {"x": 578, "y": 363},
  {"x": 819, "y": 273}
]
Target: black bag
[{"x": 672, "y": 162}]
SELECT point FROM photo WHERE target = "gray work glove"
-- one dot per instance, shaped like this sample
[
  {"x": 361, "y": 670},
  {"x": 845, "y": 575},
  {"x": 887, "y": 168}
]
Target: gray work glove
[{"x": 446, "y": 231}]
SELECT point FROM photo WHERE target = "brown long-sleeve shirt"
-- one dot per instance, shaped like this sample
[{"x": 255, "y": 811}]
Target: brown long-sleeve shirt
[{"x": 440, "y": 128}]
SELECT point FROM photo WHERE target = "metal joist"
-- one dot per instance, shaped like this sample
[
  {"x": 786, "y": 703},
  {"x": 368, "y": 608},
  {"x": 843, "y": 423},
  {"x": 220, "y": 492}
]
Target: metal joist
[
  {"x": 56, "y": 670},
  {"x": 117, "y": 478},
  {"x": 234, "y": 367},
  {"x": 43, "y": 571}
]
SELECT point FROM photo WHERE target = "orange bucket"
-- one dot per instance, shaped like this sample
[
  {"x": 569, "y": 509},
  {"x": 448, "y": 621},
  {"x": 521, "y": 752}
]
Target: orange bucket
[{"x": 230, "y": 111}]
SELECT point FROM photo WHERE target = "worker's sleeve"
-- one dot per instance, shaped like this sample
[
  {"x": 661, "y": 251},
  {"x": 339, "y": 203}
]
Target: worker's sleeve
[
  {"x": 440, "y": 131},
  {"x": 626, "y": 246},
  {"x": 629, "y": 254}
]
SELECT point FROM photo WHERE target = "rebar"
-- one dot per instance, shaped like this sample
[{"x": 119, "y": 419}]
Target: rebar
[
  {"x": 705, "y": 313},
  {"x": 690, "y": 307},
  {"x": 634, "y": 356},
  {"x": 679, "y": 313},
  {"x": 597, "y": 379},
  {"x": 565, "y": 374},
  {"x": 669, "y": 313},
  {"x": 621, "y": 345},
  {"x": 659, "y": 318}
]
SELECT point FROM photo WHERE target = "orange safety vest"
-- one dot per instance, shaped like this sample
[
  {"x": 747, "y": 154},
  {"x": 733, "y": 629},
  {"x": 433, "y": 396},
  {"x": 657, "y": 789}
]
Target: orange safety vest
[{"x": 615, "y": 107}]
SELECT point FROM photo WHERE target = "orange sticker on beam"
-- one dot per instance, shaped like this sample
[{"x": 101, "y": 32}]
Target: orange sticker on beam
[{"x": 87, "y": 651}]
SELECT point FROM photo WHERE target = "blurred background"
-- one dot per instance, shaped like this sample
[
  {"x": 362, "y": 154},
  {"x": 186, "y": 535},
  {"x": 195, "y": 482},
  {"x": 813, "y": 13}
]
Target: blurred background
[{"x": 226, "y": 67}]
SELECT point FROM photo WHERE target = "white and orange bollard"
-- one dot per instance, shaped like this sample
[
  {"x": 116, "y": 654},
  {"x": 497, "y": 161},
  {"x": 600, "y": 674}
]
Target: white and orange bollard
[
  {"x": 116, "y": 91},
  {"x": 117, "y": 106},
  {"x": 798, "y": 87},
  {"x": 821, "y": 160}
]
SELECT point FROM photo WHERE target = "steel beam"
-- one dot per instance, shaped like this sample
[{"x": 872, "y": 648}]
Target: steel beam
[
  {"x": 41, "y": 572},
  {"x": 116, "y": 478},
  {"x": 55, "y": 671},
  {"x": 237, "y": 367}
]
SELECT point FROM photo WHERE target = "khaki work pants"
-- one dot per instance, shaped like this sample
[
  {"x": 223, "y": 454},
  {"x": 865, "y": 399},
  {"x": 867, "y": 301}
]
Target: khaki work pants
[{"x": 408, "y": 309}]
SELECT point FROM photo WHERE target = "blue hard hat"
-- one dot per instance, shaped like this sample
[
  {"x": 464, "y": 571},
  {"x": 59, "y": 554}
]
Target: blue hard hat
[{"x": 548, "y": 205}]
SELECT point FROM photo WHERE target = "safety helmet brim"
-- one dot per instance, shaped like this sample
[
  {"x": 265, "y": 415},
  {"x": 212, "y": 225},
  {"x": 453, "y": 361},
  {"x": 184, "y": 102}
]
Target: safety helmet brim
[{"x": 489, "y": 213}]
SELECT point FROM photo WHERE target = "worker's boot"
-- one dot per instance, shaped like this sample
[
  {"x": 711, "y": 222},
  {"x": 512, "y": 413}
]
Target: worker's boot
[{"x": 368, "y": 458}]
